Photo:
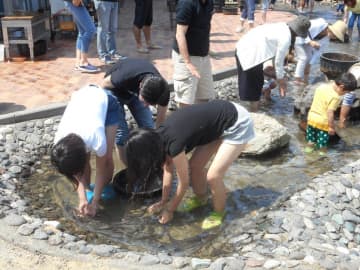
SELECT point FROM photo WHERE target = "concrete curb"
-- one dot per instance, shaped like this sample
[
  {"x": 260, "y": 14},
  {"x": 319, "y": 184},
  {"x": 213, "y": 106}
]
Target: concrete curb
[{"x": 58, "y": 108}]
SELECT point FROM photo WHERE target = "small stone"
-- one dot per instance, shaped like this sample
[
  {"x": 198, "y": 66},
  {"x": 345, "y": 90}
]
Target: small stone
[
  {"x": 197, "y": 263},
  {"x": 343, "y": 250},
  {"x": 26, "y": 229},
  {"x": 308, "y": 223},
  {"x": 55, "y": 240},
  {"x": 355, "y": 193},
  {"x": 270, "y": 264},
  {"x": 349, "y": 216},
  {"x": 180, "y": 262},
  {"x": 165, "y": 258},
  {"x": 297, "y": 255},
  {"x": 39, "y": 234},
  {"x": 84, "y": 249},
  {"x": 309, "y": 259},
  {"x": 254, "y": 263},
  {"x": 14, "y": 220},
  {"x": 330, "y": 227},
  {"x": 292, "y": 263},
  {"x": 338, "y": 219},
  {"x": 281, "y": 251},
  {"x": 149, "y": 259},
  {"x": 103, "y": 250}
]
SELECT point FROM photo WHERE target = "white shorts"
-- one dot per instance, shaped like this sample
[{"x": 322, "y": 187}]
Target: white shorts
[
  {"x": 189, "y": 89},
  {"x": 243, "y": 129}
]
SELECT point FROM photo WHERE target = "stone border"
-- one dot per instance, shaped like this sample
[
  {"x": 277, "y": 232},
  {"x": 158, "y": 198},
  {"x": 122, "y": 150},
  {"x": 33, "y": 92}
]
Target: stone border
[
  {"x": 295, "y": 219},
  {"x": 58, "y": 108}
]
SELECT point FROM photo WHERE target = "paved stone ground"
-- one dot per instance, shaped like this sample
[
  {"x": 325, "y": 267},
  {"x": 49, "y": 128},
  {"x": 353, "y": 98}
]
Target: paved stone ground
[{"x": 51, "y": 79}]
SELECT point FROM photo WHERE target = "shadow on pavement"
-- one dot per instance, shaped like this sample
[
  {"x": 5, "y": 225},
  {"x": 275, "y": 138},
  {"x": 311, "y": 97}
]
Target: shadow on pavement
[{"x": 9, "y": 107}]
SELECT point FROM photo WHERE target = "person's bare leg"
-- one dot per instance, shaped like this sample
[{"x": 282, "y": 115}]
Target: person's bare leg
[
  {"x": 84, "y": 59},
  {"x": 254, "y": 106},
  {"x": 147, "y": 34},
  {"x": 197, "y": 162},
  {"x": 78, "y": 58},
  {"x": 307, "y": 73},
  {"x": 224, "y": 157},
  {"x": 122, "y": 154},
  {"x": 137, "y": 36}
]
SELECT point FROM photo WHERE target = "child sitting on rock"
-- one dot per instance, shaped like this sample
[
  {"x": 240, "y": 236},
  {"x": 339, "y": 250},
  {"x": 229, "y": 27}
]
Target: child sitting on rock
[{"x": 321, "y": 122}]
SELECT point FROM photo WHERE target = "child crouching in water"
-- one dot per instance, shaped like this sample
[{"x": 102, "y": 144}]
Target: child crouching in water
[
  {"x": 321, "y": 122},
  {"x": 89, "y": 124}
]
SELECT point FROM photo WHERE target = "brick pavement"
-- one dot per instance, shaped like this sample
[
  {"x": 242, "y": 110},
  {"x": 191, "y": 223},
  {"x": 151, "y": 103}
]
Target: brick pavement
[{"x": 51, "y": 78}]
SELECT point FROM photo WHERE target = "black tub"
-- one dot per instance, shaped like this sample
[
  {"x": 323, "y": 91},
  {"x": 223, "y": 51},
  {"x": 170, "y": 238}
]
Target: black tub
[
  {"x": 333, "y": 64},
  {"x": 143, "y": 191}
]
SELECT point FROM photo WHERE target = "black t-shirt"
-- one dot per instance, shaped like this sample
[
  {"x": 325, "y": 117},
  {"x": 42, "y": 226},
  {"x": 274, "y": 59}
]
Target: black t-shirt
[
  {"x": 197, "y": 15},
  {"x": 196, "y": 125},
  {"x": 127, "y": 74}
]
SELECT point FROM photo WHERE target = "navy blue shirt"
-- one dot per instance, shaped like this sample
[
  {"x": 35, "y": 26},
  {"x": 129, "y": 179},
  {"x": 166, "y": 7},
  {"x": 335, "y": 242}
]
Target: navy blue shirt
[
  {"x": 127, "y": 74},
  {"x": 197, "y": 15}
]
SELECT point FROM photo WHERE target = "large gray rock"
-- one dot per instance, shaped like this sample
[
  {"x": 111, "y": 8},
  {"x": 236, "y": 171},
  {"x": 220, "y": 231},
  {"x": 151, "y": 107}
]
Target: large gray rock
[{"x": 270, "y": 135}]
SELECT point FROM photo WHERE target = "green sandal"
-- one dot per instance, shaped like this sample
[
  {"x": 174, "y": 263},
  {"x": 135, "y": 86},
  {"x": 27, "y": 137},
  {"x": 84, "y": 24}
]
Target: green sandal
[
  {"x": 308, "y": 149},
  {"x": 213, "y": 220},
  {"x": 191, "y": 203}
]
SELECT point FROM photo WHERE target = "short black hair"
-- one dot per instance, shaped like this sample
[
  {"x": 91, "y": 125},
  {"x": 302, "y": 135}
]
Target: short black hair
[
  {"x": 69, "y": 157},
  {"x": 155, "y": 90},
  {"x": 348, "y": 80}
]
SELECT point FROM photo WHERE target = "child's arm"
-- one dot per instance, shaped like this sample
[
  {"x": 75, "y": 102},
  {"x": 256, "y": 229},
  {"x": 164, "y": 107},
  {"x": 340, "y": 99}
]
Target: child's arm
[
  {"x": 344, "y": 112},
  {"x": 167, "y": 180},
  {"x": 84, "y": 181},
  {"x": 182, "y": 170},
  {"x": 104, "y": 168},
  {"x": 331, "y": 122},
  {"x": 161, "y": 114}
]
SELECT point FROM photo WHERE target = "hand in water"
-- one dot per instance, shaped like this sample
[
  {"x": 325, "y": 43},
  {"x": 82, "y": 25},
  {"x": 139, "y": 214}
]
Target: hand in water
[
  {"x": 166, "y": 216},
  {"x": 282, "y": 87},
  {"x": 155, "y": 208},
  {"x": 83, "y": 205},
  {"x": 91, "y": 209}
]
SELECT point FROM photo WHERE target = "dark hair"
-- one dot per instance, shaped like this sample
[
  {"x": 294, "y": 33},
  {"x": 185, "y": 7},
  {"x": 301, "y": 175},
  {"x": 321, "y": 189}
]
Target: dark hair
[
  {"x": 145, "y": 154},
  {"x": 69, "y": 157},
  {"x": 348, "y": 80},
  {"x": 155, "y": 90}
]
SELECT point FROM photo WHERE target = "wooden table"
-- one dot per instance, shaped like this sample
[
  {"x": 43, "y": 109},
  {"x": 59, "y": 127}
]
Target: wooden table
[{"x": 35, "y": 26}]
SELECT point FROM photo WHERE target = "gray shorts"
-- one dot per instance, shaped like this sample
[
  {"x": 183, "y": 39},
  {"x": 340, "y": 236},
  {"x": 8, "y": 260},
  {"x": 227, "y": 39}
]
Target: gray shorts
[
  {"x": 243, "y": 129},
  {"x": 189, "y": 89}
]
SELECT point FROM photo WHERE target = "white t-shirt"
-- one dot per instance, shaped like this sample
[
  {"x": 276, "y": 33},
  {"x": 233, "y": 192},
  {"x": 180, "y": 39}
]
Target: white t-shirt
[
  {"x": 262, "y": 43},
  {"x": 85, "y": 116}
]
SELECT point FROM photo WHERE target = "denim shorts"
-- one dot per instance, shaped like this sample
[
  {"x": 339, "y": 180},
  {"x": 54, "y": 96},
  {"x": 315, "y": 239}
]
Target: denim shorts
[{"x": 113, "y": 110}]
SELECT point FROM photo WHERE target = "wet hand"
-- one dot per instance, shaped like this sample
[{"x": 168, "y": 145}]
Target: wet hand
[
  {"x": 166, "y": 216},
  {"x": 91, "y": 209},
  {"x": 193, "y": 70},
  {"x": 331, "y": 131},
  {"x": 314, "y": 44},
  {"x": 82, "y": 207},
  {"x": 155, "y": 208},
  {"x": 282, "y": 87}
]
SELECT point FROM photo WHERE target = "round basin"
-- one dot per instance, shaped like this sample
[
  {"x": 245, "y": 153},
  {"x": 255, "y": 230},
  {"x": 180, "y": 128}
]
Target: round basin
[
  {"x": 142, "y": 190},
  {"x": 333, "y": 64}
]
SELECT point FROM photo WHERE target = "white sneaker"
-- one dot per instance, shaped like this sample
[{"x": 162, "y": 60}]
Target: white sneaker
[{"x": 240, "y": 29}]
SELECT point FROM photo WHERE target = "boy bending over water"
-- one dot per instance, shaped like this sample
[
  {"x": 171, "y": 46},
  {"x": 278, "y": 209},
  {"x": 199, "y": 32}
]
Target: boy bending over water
[{"x": 89, "y": 124}]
